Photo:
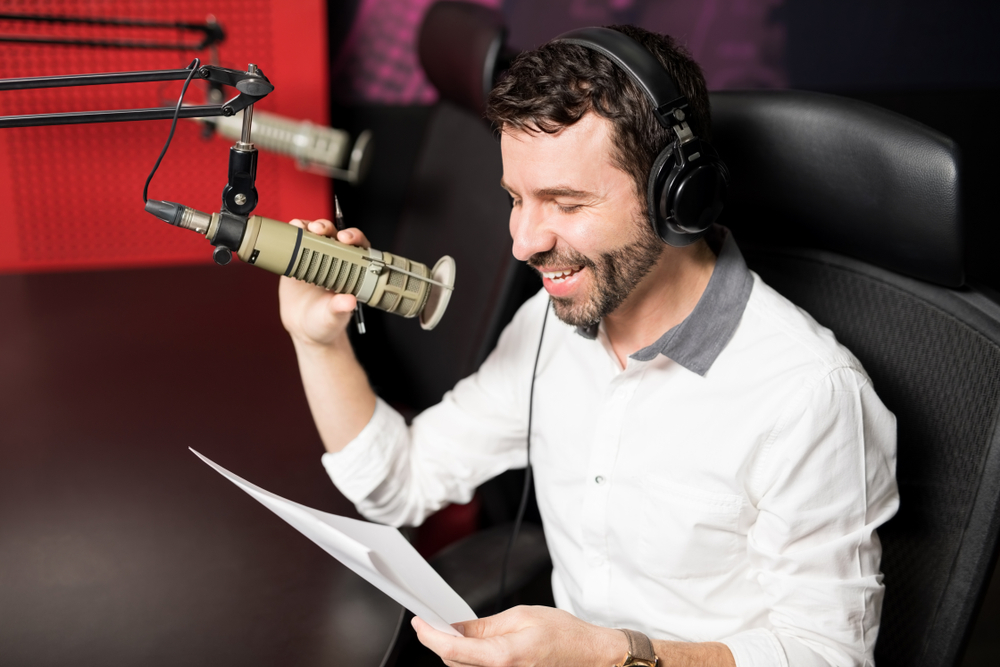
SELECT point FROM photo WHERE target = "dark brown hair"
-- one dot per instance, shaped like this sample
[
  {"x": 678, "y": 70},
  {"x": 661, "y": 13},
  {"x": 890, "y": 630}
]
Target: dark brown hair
[{"x": 555, "y": 85}]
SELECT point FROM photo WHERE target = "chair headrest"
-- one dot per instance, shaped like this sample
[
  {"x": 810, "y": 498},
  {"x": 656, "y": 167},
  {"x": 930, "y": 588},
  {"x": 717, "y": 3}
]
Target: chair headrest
[
  {"x": 828, "y": 172},
  {"x": 459, "y": 46}
]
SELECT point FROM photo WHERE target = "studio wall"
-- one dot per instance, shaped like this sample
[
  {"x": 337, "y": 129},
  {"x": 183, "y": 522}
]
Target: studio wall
[{"x": 72, "y": 195}]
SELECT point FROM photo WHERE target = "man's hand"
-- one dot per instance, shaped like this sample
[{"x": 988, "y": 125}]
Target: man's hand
[
  {"x": 312, "y": 315},
  {"x": 537, "y": 636},
  {"x": 526, "y": 636},
  {"x": 336, "y": 386}
]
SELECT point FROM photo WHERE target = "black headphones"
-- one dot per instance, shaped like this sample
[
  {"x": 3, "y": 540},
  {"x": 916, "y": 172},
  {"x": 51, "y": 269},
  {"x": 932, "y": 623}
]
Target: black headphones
[{"x": 688, "y": 181}]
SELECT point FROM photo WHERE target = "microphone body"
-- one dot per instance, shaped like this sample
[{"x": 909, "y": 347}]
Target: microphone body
[
  {"x": 315, "y": 148},
  {"x": 379, "y": 279}
]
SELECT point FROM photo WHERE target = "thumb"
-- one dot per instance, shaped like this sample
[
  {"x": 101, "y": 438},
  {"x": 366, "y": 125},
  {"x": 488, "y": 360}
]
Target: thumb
[{"x": 481, "y": 628}]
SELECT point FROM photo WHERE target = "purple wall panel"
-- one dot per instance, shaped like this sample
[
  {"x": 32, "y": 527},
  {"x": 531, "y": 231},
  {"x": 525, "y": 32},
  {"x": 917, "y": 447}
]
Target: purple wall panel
[
  {"x": 739, "y": 43},
  {"x": 378, "y": 62}
]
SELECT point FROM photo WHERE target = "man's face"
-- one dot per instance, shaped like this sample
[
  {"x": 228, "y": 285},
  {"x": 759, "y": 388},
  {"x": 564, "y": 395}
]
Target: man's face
[{"x": 576, "y": 218}]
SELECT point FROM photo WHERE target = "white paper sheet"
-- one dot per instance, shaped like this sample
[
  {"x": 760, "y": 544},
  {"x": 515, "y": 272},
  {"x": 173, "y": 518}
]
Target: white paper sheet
[{"x": 379, "y": 554}]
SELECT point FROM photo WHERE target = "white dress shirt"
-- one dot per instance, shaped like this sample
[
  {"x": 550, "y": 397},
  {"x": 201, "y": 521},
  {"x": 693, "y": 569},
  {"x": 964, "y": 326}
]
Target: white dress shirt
[{"x": 724, "y": 486}]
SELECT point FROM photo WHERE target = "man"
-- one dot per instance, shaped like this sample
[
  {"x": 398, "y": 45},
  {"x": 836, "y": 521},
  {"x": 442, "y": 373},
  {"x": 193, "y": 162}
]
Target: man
[{"x": 710, "y": 464}]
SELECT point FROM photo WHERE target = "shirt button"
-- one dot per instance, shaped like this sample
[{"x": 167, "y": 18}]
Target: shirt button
[{"x": 599, "y": 479}]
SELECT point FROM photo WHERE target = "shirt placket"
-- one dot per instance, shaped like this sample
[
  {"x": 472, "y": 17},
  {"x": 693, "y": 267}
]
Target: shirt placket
[{"x": 600, "y": 478}]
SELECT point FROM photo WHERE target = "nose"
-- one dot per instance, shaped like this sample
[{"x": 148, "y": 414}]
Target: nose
[{"x": 530, "y": 231}]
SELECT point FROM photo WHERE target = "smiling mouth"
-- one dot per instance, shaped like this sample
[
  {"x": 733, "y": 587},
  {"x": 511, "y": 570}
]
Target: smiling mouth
[{"x": 560, "y": 275}]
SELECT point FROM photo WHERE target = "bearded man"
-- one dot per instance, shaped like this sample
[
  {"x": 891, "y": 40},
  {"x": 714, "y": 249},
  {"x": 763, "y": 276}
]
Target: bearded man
[{"x": 710, "y": 464}]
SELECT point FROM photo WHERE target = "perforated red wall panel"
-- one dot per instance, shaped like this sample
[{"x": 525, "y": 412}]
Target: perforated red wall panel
[{"x": 71, "y": 196}]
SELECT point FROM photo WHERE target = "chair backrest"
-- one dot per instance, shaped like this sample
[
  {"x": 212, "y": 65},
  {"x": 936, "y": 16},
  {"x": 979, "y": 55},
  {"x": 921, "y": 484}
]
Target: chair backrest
[
  {"x": 833, "y": 200},
  {"x": 456, "y": 207},
  {"x": 461, "y": 45}
]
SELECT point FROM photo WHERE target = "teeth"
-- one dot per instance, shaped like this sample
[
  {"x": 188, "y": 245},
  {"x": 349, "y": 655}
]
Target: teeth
[{"x": 559, "y": 276}]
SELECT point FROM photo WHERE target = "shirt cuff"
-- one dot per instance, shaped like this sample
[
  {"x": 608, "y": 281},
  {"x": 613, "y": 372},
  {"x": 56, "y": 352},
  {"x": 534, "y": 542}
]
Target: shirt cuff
[
  {"x": 756, "y": 648},
  {"x": 365, "y": 462}
]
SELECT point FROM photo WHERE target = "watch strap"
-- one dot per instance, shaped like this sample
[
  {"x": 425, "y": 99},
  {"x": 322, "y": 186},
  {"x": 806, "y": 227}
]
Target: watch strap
[{"x": 640, "y": 650}]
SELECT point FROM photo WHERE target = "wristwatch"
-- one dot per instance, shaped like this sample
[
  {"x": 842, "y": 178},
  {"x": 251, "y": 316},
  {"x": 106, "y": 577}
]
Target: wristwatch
[{"x": 640, "y": 650}]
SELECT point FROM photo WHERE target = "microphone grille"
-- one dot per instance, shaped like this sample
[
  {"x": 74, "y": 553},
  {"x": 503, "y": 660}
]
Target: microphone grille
[
  {"x": 329, "y": 272},
  {"x": 438, "y": 298},
  {"x": 401, "y": 293}
]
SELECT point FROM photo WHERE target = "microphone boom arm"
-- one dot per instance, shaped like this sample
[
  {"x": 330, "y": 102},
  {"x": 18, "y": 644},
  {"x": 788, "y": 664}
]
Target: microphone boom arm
[{"x": 251, "y": 86}]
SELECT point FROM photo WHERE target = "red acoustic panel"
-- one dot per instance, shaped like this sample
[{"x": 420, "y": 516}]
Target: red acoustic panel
[{"x": 71, "y": 196}]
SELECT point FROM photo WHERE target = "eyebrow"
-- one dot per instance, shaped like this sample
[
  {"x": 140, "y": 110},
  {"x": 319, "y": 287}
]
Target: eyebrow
[{"x": 553, "y": 192}]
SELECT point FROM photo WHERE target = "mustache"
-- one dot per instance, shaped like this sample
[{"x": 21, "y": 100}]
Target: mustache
[{"x": 559, "y": 258}]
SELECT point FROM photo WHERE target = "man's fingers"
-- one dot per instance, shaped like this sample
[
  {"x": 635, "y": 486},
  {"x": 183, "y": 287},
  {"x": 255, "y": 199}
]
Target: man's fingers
[
  {"x": 460, "y": 650},
  {"x": 343, "y": 303},
  {"x": 353, "y": 236},
  {"x": 441, "y": 643},
  {"x": 435, "y": 640},
  {"x": 322, "y": 227},
  {"x": 350, "y": 236}
]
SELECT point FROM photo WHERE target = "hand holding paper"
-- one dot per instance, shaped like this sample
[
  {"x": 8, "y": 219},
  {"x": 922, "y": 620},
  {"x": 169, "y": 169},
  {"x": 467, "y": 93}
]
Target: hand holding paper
[{"x": 379, "y": 554}]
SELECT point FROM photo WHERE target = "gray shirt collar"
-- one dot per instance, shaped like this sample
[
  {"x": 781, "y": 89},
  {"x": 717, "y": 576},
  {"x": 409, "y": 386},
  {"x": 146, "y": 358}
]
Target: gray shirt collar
[{"x": 696, "y": 342}]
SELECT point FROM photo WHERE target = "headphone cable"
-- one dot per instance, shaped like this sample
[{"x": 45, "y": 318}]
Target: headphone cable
[{"x": 527, "y": 472}]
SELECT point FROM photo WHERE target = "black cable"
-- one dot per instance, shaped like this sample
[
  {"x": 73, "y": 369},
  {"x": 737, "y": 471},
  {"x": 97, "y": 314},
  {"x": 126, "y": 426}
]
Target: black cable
[
  {"x": 527, "y": 472},
  {"x": 517, "y": 521},
  {"x": 195, "y": 64},
  {"x": 395, "y": 638}
]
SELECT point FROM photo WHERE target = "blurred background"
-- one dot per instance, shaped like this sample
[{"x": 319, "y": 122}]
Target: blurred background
[{"x": 121, "y": 344}]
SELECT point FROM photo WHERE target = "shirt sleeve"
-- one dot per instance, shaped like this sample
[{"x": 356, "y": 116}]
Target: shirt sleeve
[
  {"x": 824, "y": 482},
  {"x": 398, "y": 474}
]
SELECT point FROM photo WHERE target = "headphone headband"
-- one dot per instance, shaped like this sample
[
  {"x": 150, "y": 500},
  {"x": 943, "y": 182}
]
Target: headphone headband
[
  {"x": 638, "y": 63},
  {"x": 687, "y": 184}
]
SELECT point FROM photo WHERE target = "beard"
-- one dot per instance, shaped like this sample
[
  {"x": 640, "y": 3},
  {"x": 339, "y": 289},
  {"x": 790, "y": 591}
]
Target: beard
[{"x": 616, "y": 274}]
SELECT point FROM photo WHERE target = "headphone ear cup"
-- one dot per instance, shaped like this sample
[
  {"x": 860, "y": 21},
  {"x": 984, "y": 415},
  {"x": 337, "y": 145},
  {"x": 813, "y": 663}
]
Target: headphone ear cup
[
  {"x": 659, "y": 174},
  {"x": 689, "y": 196}
]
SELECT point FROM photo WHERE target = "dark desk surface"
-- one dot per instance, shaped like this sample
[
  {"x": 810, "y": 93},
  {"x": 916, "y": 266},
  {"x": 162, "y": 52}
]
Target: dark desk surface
[{"x": 117, "y": 545}]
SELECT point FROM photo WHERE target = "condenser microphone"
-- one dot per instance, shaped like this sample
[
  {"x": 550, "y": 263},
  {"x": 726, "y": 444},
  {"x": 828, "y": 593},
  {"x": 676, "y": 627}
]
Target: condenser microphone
[
  {"x": 379, "y": 279},
  {"x": 316, "y": 148}
]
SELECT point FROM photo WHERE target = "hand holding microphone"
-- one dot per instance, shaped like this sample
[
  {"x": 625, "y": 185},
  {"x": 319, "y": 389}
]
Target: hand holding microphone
[{"x": 311, "y": 314}]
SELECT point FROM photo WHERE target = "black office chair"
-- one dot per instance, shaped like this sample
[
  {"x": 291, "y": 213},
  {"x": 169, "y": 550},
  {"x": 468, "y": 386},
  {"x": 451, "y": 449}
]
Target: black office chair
[{"x": 853, "y": 212}]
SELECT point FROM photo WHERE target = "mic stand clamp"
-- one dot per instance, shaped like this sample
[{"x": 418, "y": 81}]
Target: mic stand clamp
[
  {"x": 239, "y": 196},
  {"x": 229, "y": 236}
]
